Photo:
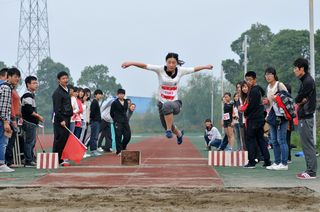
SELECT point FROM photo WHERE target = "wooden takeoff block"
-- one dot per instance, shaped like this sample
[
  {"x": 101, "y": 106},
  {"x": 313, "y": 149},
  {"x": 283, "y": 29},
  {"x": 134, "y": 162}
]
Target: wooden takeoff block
[{"x": 130, "y": 158}]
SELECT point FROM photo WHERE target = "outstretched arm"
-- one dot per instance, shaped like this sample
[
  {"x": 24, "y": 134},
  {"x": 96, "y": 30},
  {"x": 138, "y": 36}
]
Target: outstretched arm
[
  {"x": 137, "y": 64},
  {"x": 199, "y": 68}
]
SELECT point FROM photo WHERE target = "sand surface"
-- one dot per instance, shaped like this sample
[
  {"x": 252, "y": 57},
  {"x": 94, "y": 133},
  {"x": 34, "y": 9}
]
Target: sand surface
[{"x": 158, "y": 199}]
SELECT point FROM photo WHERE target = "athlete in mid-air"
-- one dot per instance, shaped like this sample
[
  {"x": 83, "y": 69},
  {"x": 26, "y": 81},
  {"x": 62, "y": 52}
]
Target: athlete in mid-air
[{"x": 169, "y": 76}]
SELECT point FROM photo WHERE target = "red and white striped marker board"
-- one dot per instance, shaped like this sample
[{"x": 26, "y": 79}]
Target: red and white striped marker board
[
  {"x": 47, "y": 161},
  {"x": 227, "y": 158}
]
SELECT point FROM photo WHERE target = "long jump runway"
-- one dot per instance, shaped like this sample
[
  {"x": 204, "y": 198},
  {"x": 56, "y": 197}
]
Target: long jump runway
[{"x": 163, "y": 164}]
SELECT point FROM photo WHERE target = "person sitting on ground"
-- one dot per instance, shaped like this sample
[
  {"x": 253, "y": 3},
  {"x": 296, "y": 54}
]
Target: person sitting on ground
[{"x": 212, "y": 135}]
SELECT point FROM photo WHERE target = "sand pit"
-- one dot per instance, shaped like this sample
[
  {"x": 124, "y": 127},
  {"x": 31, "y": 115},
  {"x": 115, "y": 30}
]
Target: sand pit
[{"x": 158, "y": 199}]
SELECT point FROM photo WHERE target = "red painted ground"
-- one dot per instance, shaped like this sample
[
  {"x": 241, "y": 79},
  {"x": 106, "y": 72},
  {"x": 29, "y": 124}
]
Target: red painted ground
[
  {"x": 164, "y": 164},
  {"x": 45, "y": 140}
]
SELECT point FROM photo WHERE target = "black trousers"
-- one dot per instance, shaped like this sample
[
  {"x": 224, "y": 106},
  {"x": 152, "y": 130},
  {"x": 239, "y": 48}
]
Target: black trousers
[
  {"x": 255, "y": 137},
  {"x": 105, "y": 129},
  {"x": 61, "y": 135},
  {"x": 243, "y": 135},
  {"x": 123, "y": 136},
  {"x": 289, "y": 143}
]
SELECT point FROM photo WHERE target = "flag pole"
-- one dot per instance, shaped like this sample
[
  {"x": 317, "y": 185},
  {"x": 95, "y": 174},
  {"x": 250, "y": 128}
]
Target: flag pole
[{"x": 75, "y": 137}]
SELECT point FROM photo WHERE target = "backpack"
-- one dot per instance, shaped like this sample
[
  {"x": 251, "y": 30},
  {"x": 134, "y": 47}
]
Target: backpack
[{"x": 288, "y": 102}]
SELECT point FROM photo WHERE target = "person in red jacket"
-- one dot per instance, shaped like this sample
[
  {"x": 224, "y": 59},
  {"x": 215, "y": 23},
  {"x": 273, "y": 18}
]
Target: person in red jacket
[{"x": 79, "y": 114}]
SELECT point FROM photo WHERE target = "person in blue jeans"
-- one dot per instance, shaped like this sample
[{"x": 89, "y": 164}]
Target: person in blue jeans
[
  {"x": 95, "y": 120},
  {"x": 6, "y": 87},
  {"x": 30, "y": 119},
  {"x": 279, "y": 125}
]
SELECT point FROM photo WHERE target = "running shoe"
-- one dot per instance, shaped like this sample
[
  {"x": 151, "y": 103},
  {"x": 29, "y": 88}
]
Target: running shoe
[
  {"x": 169, "y": 134},
  {"x": 305, "y": 176},
  {"x": 180, "y": 139},
  {"x": 5, "y": 168}
]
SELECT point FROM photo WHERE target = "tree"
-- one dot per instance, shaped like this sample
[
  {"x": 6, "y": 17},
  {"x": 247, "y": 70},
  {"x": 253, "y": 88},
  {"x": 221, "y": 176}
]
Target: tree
[
  {"x": 317, "y": 57},
  {"x": 286, "y": 47},
  {"x": 2, "y": 65},
  {"x": 196, "y": 100},
  {"x": 260, "y": 37},
  {"x": 233, "y": 71},
  {"x": 196, "y": 106},
  {"x": 276, "y": 50},
  {"x": 47, "y": 79},
  {"x": 97, "y": 77}
]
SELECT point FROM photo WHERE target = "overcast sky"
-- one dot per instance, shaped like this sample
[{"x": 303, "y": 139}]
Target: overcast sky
[{"x": 91, "y": 32}]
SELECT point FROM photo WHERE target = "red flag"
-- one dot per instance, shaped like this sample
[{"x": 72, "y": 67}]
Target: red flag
[
  {"x": 74, "y": 149},
  {"x": 295, "y": 120}
]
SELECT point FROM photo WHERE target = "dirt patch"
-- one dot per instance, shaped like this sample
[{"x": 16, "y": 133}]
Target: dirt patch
[{"x": 158, "y": 199}]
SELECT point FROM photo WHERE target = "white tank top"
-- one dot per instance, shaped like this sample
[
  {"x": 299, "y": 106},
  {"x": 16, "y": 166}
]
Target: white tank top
[{"x": 168, "y": 87}]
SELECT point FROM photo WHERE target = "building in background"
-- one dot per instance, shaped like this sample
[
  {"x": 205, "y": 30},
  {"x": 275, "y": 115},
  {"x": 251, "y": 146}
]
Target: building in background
[{"x": 142, "y": 103}]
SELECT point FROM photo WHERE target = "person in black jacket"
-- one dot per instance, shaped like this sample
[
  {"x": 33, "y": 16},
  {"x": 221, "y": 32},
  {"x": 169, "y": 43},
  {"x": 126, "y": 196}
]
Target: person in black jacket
[
  {"x": 255, "y": 122},
  {"x": 306, "y": 100},
  {"x": 62, "y": 113},
  {"x": 118, "y": 113},
  {"x": 30, "y": 119},
  {"x": 95, "y": 121}
]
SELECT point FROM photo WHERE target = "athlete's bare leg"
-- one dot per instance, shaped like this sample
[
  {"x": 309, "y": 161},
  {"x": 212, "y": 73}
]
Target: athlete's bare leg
[{"x": 169, "y": 121}]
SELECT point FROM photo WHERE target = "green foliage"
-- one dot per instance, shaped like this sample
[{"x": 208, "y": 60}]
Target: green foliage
[
  {"x": 196, "y": 106},
  {"x": 196, "y": 100},
  {"x": 287, "y": 46},
  {"x": 47, "y": 78},
  {"x": 268, "y": 49},
  {"x": 97, "y": 77},
  {"x": 317, "y": 57},
  {"x": 2, "y": 65},
  {"x": 148, "y": 122},
  {"x": 234, "y": 71}
]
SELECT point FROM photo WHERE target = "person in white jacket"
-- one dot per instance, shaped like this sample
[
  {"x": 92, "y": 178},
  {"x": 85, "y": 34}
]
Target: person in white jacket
[
  {"x": 75, "y": 117},
  {"x": 212, "y": 135},
  {"x": 106, "y": 126}
]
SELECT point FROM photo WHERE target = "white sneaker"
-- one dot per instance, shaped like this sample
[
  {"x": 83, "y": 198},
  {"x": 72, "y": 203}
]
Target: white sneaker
[
  {"x": 86, "y": 155},
  {"x": 272, "y": 167},
  {"x": 65, "y": 163},
  {"x": 281, "y": 167},
  {"x": 5, "y": 168},
  {"x": 100, "y": 149},
  {"x": 95, "y": 153}
]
